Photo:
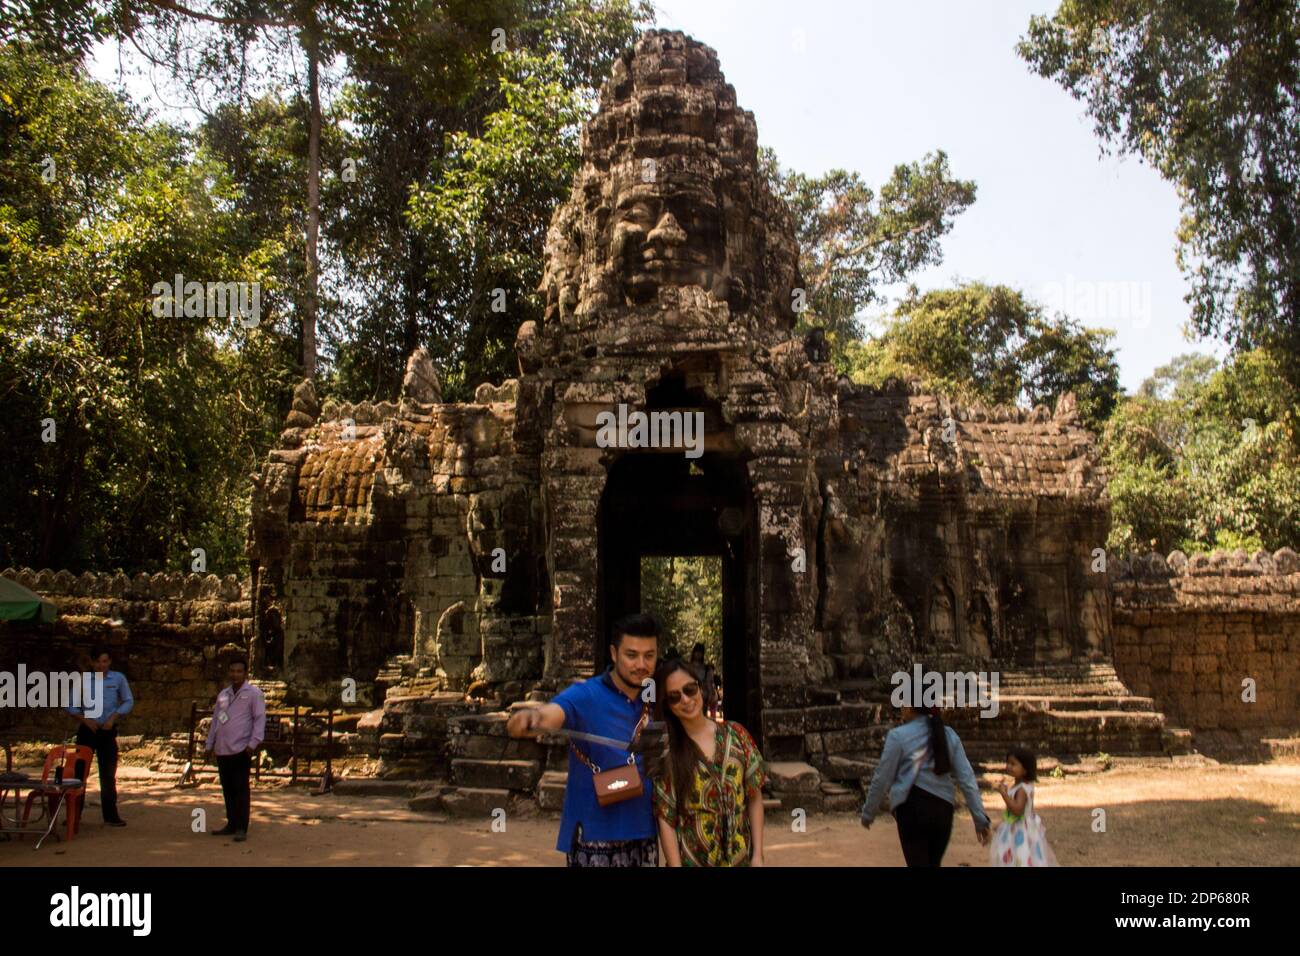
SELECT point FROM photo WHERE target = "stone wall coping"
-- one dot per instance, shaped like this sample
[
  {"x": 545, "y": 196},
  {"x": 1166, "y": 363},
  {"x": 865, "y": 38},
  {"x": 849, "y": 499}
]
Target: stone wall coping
[
  {"x": 1065, "y": 410},
  {"x": 162, "y": 585},
  {"x": 1282, "y": 566}
]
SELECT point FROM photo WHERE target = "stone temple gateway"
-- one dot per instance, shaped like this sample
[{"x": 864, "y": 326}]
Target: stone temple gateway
[
  {"x": 453, "y": 560},
  {"x": 427, "y": 549}
]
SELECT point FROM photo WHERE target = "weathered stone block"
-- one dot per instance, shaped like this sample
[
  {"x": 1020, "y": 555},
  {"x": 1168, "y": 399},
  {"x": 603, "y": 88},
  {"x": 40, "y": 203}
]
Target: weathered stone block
[
  {"x": 476, "y": 802},
  {"x": 793, "y": 776},
  {"x": 501, "y": 774},
  {"x": 550, "y": 790}
]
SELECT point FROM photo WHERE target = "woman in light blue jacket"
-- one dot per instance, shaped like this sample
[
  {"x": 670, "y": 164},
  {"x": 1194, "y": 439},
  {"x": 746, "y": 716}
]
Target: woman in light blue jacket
[{"x": 917, "y": 765}]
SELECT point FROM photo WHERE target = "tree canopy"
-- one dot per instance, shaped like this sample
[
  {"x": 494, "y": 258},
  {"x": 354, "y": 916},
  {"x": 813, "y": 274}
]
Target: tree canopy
[
  {"x": 1207, "y": 92},
  {"x": 991, "y": 344},
  {"x": 853, "y": 241},
  {"x": 383, "y": 172},
  {"x": 1206, "y": 456}
]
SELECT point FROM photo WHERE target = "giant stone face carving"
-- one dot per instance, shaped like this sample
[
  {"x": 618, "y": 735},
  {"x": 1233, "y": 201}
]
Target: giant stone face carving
[
  {"x": 667, "y": 234},
  {"x": 669, "y": 196}
]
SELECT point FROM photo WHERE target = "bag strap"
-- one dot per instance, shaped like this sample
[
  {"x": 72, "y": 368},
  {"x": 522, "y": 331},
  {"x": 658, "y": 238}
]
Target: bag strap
[
  {"x": 583, "y": 757},
  {"x": 636, "y": 735}
]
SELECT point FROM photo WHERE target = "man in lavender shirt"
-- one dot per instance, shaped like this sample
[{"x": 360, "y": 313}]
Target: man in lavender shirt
[{"x": 238, "y": 728}]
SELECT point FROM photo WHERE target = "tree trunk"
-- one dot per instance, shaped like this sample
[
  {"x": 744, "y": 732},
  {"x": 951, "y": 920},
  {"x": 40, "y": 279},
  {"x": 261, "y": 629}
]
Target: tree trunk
[{"x": 311, "y": 46}]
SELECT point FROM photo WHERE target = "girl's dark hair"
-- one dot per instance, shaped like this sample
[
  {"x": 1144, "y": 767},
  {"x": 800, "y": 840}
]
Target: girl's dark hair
[
  {"x": 1027, "y": 760},
  {"x": 938, "y": 741},
  {"x": 682, "y": 751}
]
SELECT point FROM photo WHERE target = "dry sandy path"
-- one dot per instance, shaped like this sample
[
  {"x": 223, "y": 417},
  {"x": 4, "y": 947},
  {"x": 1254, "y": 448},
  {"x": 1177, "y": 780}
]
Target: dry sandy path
[{"x": 1200, "y": 816}]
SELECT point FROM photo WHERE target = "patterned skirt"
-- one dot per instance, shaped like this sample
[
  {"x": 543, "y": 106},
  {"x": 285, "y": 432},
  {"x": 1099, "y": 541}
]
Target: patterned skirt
[{"x": 613, "y": 852}]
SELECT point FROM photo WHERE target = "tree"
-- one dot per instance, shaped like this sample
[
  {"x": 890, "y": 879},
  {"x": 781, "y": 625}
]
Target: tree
[
  {"x": 1204, "y": 456},
  {"x": 852, "y": 241},
  {"x": 488, "y": 213},
  {"x": 686, "y": 594},
  {"x": 62, "y": 30},
  {"x": 159, "y": 422},
  {"x": 131, "y": 433},
  {"x": 990, "y": 344},
  {"x": 222, "y": 47},
  {"x": 458, "y": 193},
  {"x": 1060, "y": 355},
  {"x": 1208, "y": 92}
]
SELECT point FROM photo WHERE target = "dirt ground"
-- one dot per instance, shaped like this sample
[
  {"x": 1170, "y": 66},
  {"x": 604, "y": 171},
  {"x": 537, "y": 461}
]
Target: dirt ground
[{"x": 1154, "y": 815}]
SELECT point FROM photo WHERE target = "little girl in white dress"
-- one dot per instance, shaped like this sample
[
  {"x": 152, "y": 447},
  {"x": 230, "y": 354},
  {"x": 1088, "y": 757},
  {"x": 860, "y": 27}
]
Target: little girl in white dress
[{"x": 1021, "y": 840}]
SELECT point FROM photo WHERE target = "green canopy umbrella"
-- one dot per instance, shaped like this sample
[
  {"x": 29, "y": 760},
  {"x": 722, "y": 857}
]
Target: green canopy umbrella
[{"x": 19, "y": 604}]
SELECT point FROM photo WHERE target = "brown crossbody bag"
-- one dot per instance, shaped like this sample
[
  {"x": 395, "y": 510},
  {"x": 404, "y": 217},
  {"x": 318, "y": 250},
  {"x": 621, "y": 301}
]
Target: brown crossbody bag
[{"x": 621, "y": 783}]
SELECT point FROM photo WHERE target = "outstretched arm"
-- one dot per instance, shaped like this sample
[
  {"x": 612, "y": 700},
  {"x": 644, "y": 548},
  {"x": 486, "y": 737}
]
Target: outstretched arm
[{"x": 530, "y": 721}]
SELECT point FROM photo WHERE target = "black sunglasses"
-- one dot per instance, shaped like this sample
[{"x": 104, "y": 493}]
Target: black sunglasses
[{"x": 690, "y": 690}]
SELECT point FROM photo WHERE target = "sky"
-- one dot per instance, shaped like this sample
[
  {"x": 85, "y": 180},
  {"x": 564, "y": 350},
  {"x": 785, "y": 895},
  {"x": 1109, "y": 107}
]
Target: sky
[{"x": 868, "y": 84}]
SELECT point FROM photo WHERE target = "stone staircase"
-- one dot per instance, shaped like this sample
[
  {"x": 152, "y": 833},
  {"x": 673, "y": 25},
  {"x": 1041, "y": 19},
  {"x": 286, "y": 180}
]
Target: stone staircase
[
  {"x": 487, "y": 770},
  {"x": 402, "y": 676},
  {"x": 1061, "y": 711},
  {"x": 1064, "y": 712}
]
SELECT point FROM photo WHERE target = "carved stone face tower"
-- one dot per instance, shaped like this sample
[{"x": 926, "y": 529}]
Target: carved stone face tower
[
  {"x": 668, "y": 285},
  {"x": 669, "y": 197},
  {"x": 488, "y": 546}
]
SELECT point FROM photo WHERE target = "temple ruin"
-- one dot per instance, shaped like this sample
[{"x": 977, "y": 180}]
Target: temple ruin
[
  {"x": 858, "y": 527},
  {"x": 452, "y": 559}
]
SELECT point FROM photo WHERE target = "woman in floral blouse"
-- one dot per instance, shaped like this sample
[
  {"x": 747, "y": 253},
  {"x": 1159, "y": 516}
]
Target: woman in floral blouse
[{"x": 709, "y": 797}]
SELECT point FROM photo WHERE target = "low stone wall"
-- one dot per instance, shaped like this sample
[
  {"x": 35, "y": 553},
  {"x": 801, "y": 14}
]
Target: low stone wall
[
  {"x": 164, "y": 631},
  {"x": 1189, "y": 631}
]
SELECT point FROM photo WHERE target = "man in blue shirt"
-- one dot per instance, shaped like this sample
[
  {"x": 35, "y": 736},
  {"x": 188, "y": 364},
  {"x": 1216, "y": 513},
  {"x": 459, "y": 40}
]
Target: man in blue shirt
[
  {"x": 98, "y": 730},
  {"x": 612, "y": 705}
]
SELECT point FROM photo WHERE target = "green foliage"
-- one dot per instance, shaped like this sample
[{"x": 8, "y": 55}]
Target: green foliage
[
  {"x": 852, "y": 241},
  {"x": 686, "y": 594},
  {"x": 63, "y": 30},
  {"x": 456, "y": 195},
  {"x": 488, "y": 212},
  {"x": 990, "y": 344},
  {"x": 1204, "y": 457},
  {"x": 1208, "y": 92},
  {"x": 158, "y": 419},
  {"x": 404, "y": 93}
]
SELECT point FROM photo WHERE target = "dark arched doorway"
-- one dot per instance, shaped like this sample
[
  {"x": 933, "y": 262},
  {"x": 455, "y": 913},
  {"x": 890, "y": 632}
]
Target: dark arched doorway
[{"x": 663, "y": 503}]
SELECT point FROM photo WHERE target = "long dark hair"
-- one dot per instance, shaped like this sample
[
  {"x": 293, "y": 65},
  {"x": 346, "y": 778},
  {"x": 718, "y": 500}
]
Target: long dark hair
[
  {"x": 682, "y": 751},
  {"x": 938, "y": 740}
]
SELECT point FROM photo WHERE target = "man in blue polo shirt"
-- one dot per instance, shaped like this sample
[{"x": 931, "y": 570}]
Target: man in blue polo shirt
[
  {"x": 610, "y": 705},
  {"x": 98, "y": 731}
]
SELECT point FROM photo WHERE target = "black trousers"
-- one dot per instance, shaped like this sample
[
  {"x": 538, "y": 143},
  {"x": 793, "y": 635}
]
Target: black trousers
[
  {"x": 104, "y": 743},
  {"x": 924, "y": 827},
  {"x": 234, "y": 771}
]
